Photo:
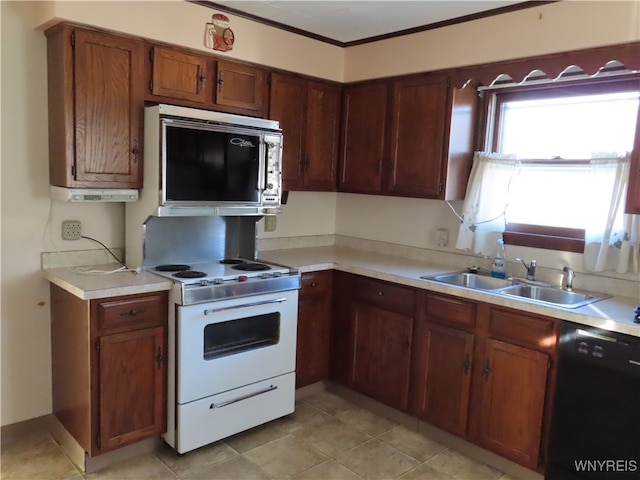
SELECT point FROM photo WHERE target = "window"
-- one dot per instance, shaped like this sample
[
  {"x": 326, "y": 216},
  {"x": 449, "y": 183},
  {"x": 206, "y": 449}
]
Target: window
[{"x": 557, "y": 190}]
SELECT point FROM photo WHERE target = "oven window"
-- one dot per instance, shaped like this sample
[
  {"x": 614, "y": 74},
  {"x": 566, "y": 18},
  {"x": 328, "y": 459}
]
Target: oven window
[
  {"x": 211, "y": 166},
  {"x": 235, "y": 336}
]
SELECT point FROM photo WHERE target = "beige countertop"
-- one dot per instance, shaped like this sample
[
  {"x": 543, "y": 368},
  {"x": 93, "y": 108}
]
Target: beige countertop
[
  {"x": 614, "y": 314},
  {"x": 88, "y": 286}
]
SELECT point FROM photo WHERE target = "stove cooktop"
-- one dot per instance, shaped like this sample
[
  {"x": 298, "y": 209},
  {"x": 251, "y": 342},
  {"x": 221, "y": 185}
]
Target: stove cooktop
[{"x": 221, "y": 272}]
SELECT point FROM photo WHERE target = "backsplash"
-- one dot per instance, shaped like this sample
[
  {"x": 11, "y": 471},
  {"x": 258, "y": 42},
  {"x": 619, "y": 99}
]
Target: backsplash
[{"x": 612, "y": 283}]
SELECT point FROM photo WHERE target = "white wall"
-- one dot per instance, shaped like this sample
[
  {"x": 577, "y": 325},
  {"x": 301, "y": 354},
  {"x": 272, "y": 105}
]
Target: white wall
[{"x": 25, "y": 354}]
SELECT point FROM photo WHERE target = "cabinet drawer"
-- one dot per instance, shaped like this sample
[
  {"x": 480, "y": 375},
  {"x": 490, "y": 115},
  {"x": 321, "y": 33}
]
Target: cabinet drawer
[
  {"x": 386, "y": 295},
  {"x": 315, "y": 284},
  {"x": 450, "y": 310},
  {"x": 537, "y": 332},
  {"x": 131, "y": 311}
]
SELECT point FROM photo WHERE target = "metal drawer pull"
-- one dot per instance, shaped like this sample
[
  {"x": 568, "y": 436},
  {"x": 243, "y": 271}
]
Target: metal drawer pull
[
  {"x": 270, "y": 388},
  {"x": 132, "y": 313},
  {"x": 244, "y": 305}
]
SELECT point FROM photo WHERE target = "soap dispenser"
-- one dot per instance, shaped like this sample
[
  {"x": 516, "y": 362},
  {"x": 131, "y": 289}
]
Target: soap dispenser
[{"x": 498, "y": 264}]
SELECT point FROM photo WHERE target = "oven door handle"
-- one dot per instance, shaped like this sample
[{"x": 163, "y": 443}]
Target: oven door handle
[
  {"x": 209, "y": 311},
  {"x": 270, "y": 388}
]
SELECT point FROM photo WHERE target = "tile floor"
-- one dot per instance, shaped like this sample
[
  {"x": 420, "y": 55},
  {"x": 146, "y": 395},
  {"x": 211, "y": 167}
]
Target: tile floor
[{"x": 326, "y": 438}]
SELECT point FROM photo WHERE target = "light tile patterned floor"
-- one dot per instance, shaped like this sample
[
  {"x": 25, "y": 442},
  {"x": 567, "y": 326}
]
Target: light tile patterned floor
[{"x": 326, "y": 438}]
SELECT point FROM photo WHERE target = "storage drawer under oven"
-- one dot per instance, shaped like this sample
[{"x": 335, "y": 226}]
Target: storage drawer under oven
[{"x": 220, "y": 416}]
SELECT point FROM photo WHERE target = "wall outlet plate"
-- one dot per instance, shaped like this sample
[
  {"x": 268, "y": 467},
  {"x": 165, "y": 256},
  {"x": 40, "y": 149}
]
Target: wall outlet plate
[
  {"x": 442, "y": 237},
  {"x": 71, "y": 229},
  {"x": 270, "y": 223}
]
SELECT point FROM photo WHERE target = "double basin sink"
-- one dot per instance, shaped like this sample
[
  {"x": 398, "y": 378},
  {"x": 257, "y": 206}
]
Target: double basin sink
[{"x": 544, "y": 294}]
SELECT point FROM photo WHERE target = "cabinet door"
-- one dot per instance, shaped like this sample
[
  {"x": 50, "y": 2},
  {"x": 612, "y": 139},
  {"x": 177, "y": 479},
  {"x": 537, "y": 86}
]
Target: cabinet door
[
  {"x": 314, "y": 315},
  {"x": 178, "y": 74},
  {"x": 364, "y": 119},
  {"x": 633, "y": 193},
  {"x": 287, "y": 105},
  {"x": 341, "y": 353},
  {"x": 513, "y": 398},
  {"x": 417, "y": 136},
  {"x": 443, "y": 376},
  {"x": 322, "y": 133},
  {"x": 240, "y": 86},
  {"x": 108, "y": 110},
  {"x": 381, "y": 359},
  {"x": 131, "y": 386}
]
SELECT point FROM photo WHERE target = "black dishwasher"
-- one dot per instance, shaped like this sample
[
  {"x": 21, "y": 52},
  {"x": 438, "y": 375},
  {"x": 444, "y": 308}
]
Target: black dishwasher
[{"x": 595, "y": 426}]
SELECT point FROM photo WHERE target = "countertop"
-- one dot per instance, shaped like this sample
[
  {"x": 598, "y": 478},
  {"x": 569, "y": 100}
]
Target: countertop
[
  {"x": 613, "y": 314},
  {"x": 88, "y": 286}
]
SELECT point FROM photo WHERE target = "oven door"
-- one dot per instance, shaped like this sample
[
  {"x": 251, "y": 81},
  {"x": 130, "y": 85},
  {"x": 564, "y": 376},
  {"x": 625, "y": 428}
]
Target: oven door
[{"x": 232, "y": 343}]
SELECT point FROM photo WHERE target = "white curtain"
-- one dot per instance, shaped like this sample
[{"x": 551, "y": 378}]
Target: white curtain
[
  {"x": 612, "y": 238},
  {"x": 486, "y": 200}
]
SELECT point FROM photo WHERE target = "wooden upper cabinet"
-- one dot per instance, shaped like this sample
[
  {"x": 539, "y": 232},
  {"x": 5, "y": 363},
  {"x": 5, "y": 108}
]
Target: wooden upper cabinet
[
  {"x": 633, "y": 191},
  {"x": 96, "y": 103},
  {"x": 288, "y": 106},
  {"x": 417, "y": 136},
  {"x": 241, "y": 87},
  {"x": 309, "y": 115},
  {"x": 364, "y": 117},
  {"x": 416, "y": 141},
  {"x": 178, "y": 74}
]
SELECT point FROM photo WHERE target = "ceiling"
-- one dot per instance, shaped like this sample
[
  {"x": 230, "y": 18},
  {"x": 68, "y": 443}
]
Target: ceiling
[{"x": 347, "y": 22}]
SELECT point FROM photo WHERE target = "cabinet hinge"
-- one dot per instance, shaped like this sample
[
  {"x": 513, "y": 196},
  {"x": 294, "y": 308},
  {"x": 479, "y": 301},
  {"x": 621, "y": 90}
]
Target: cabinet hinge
[
  {"x": 72, "y": 39},
  {"x": 151, "y": 54},
  {"x": 98, "y": 345},
  {"x": 549, "y": 363},
  {"x": 73, "y": 170},
  {"x": 448, "y": 82},
  {"x": 269, "y": 80},
  {"x": 98, "y": 442},
  {"x": 151, "y": 86},
  {"x": 440, "y": 187}
]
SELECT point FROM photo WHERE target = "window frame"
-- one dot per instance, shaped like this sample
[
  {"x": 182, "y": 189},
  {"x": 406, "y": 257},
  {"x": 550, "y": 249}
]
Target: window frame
[{"x": 543, "y": 236}]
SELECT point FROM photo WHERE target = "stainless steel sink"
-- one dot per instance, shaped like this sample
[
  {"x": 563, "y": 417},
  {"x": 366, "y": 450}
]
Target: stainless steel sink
[
  {"x": 470, "y": 280},
  {"x": 553, "y": 295}
]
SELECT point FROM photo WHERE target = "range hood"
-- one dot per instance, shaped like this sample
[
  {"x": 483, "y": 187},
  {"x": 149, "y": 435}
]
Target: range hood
[{"x": 94, "y": 194}]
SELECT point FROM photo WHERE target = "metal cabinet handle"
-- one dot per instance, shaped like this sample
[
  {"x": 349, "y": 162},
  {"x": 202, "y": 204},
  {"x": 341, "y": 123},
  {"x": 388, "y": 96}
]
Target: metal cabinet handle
[
  {"x": 380, "y": 293},
  {"x": 270, "y": 388},
  {"x": 487, "y": 370},
  {"x": 159, "y": 358},
  {"x": 135, "y": 151},
  {"x": 132, "y": 313},
  {"x": 220, "y": 82},
  {"x": 202, "y": 77},
  {"x": 466, "y": 364},
  {"x": 313, "y": 284}
]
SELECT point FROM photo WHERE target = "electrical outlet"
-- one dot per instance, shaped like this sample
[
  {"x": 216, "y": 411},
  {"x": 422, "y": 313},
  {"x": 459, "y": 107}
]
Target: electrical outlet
[
  {"x": 270, "y": 223},
  {"x": 71, "y": 229},
  {"x": 442, "y": 237}
]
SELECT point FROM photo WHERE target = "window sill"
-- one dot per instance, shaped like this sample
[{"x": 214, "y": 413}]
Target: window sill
[{"x": 550, "y": 238}]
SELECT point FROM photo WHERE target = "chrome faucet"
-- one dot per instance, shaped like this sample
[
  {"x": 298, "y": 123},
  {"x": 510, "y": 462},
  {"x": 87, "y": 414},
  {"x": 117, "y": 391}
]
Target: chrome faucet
[
  {"x": 567, "y": 278},
  {"x": 531, "y": 268}
]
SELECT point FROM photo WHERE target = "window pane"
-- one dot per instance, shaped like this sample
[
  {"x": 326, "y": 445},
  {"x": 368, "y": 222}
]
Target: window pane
[{"x": 569, "y": 127}]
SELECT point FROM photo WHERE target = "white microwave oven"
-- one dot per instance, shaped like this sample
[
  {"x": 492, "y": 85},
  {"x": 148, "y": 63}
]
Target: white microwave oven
[{"x": 200, "y": 162}]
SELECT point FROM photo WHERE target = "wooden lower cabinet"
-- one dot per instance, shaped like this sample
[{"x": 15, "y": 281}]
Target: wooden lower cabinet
[
  {"x": 513, "y": 400},
  {"x": 443, "y": 359},
  {"x": 314, "y": 317},
  {"x": 109, "y": 367},
  {"x": 372, "y": 332},
  {"x": 381, "y": 354}
]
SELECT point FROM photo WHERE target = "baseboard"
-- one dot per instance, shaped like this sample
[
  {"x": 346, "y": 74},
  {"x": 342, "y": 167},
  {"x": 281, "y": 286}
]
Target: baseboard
[
  {"x": 15, "y": 431},
  {"x": 308, "y": 390}
]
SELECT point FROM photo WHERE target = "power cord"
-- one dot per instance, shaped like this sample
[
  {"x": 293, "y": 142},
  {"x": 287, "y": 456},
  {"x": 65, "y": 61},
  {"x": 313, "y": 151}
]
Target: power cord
[{"x": 105, "y": 247}]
